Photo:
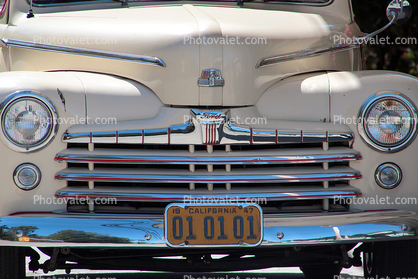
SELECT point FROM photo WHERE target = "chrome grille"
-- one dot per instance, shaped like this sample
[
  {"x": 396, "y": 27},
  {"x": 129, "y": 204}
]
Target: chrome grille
[{"x": 166, "y": 164}]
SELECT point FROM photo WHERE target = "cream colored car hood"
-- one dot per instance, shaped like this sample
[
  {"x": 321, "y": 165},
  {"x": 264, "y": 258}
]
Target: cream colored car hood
[{"x": 171, "y": 33}]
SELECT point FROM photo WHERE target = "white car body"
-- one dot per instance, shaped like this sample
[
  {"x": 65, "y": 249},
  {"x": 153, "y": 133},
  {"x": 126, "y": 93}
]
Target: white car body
[{"x": 160, "y": 103}]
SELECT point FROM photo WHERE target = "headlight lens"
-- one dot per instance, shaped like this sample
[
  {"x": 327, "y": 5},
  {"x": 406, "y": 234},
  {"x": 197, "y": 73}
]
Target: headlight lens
[
  {"x": 27, "y": 176},
  {"x": 388, "y": 122},
  {"x": 388, "y": 175},
  {"x": 28, "y": 121}
]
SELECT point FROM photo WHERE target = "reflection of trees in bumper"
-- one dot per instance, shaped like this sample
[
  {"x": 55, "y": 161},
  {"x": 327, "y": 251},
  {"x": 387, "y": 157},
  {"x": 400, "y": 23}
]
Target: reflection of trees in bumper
[
  {"x": 17, "y": 233},
  {"x": 24, "y": 230},
  {"x": 26, "y": 233},
  {"x": 370, "y": 16},
  {"x": 86, "y": 237}
]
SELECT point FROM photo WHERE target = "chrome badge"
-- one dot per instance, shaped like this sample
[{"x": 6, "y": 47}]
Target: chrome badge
[
  {"x": 210, "y": 123},
  {"x": 211, "y": 78}
]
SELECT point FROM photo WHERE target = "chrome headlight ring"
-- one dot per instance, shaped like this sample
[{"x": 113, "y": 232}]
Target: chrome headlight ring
[
  {"x": 388, "y": 122},
  {"x": 27, "y": 176},
  {"x": 28, "y": 121},
  {"x": 388, "y": 175}
]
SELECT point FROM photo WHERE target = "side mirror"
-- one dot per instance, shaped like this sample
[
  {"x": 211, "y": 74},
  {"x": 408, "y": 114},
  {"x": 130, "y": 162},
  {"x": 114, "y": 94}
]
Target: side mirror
[{"x": 399, "y": 10}]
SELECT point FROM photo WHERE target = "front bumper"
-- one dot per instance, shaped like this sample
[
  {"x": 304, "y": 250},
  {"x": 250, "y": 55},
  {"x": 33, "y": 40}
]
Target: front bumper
[{"x": 140, "y": 231}]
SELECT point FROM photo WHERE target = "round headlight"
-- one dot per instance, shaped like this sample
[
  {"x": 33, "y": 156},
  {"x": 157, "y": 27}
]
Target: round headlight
[
  {"x": 28, "y": 121},
  {"x": 388, "y": 122}
]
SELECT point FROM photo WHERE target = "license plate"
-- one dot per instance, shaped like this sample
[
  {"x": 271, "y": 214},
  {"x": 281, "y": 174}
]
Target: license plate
[{"x": 213, "y": 225}]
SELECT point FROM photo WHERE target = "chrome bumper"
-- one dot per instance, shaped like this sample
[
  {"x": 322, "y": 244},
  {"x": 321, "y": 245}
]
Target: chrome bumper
[{"x": 140, "y": 231}]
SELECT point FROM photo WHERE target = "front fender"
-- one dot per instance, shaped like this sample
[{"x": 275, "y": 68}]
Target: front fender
[
  {"x": 336, "y": 97},
  {"x": 79, "y": 98},
  {"x": 348, "y": 92}
]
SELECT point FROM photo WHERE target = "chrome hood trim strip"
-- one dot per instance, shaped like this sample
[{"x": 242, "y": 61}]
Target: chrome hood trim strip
[
  {"x": 305, "y": 53},
  {"x": 301, "y": 193},
  {"x": 135, "y": 231},
  {"x": 149, "y": 60},
  {"x": 179, "y": 176},
  {"x": 203, "y": 160}
]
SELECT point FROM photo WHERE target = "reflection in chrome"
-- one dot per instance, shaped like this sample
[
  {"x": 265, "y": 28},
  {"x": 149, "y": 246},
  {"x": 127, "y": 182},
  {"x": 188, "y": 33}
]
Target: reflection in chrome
[
  {"x": 149, "y": 60},
  {"x": 393, "y": 174},
  {"x": 362, "y": 125},
  {"x": 118, "y": 231},
  {"x": 39, "y": 97},
  {"x": 210, "y": 128},
  {"x": 85, "y": 2},
  {"x": 306, "y": 53},
  {"x": 211, "y": 78},
  {"x": 209, "y": 148},
  {"x": 30, "y": 174},
  {"x": 181, "y": 176},
  {"x": 238, "y": 195},
  {"x": 96, "y": 157}
]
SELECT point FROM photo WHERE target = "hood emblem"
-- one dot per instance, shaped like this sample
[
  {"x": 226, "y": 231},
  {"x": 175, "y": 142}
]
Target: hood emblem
[
  {"x": 210, "y": 123},
  {"x": 211, "y": 78}
]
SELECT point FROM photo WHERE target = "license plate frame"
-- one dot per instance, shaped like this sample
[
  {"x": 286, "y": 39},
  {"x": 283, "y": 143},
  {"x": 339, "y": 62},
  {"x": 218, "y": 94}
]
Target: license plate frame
[{"x": 207, "y": 232}]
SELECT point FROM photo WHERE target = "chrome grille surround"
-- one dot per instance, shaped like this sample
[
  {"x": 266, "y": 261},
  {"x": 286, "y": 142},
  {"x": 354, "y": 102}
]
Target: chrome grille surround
[{"x": 210, "y": 149}]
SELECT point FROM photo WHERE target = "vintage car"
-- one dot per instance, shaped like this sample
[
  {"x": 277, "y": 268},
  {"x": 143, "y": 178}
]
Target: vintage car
[{"x": 203, "y": 136}]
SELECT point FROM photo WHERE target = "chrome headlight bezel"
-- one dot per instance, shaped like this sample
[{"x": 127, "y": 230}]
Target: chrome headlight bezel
[
  {"x": 31, "y": 167},
  {"x": 363, "y": 122},
  {"x": 398, "y": 174},
  {"x": 46, "y": 103}
]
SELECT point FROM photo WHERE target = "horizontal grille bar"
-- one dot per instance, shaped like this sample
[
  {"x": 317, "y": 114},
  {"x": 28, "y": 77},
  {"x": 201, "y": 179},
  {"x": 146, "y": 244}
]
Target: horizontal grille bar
[
  {"x": 237, "y": 194},
  {"x": 216, "y": 158},
  {"x": 180, "y": 176},
  {"x": 189, "y": 133}
]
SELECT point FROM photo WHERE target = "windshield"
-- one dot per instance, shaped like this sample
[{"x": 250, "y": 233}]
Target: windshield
[{"x": 52, "y": 2}]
